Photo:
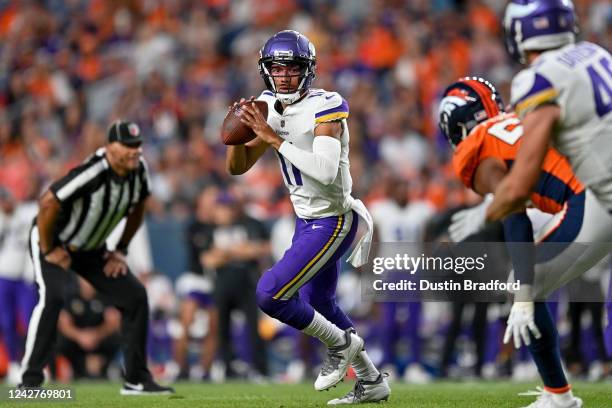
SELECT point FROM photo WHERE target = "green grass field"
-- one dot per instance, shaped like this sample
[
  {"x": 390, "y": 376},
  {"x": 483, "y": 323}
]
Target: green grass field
[{"x": 443, "y": 394}]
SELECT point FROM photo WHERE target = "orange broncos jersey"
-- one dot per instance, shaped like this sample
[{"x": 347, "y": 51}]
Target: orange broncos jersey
[{"x": 500, "y": 137}]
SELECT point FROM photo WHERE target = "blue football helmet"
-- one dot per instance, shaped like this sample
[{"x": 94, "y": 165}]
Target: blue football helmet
[
  {"x": 465, "y": 104},
  {"x": 538, "y": 25},
  {"x": 287, "y": 47}
]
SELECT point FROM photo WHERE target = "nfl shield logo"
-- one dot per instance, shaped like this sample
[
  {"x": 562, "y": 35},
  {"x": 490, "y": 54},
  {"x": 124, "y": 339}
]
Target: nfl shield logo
[{"x": 282, "y": 122}]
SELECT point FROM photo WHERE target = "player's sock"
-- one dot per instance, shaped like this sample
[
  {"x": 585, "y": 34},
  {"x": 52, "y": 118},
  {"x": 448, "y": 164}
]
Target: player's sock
[
  {"x": 364, "y": 368},
  {"x": 324, "y": 330},
  {"x": 545, "y": 350}
]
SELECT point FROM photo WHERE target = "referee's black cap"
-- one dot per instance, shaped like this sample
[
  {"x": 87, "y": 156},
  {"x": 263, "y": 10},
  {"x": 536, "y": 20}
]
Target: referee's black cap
[{"x": 127, "y": 133}]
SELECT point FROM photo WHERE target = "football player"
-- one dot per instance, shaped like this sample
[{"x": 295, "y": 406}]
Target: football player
[
  {"x": 17, "y": 291},
  {"x": 307, "y": 129},
  {"x": 486, "y": 141},
  {"x": 563, "y": 96}
]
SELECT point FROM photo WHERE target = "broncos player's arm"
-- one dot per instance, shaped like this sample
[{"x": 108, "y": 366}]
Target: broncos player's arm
[
  {"x": 514, "y": 190},
  {"x": 490, "y": 172},
  {"x": 240, "y": 158}
]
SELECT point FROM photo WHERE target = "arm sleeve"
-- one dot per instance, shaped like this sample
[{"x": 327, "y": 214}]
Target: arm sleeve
[{"x": 321, "y": 164}]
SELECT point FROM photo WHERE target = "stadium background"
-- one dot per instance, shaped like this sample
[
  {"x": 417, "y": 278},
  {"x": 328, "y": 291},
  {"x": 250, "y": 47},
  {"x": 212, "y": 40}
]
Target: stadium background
[{"x": 69, "y": 68}]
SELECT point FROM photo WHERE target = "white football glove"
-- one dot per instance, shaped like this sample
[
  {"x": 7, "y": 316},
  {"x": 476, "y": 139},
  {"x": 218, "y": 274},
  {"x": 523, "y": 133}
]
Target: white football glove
[
  {"x": 469, "y": 221},
  {"x": 520, "y": 323}
]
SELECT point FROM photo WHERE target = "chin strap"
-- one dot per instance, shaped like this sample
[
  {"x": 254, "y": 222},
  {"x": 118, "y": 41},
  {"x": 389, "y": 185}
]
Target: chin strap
[{"x": 288, "y": 99}]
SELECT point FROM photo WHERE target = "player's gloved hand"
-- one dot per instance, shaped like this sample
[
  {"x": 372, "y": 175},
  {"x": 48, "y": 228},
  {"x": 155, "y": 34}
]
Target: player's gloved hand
[
  {"x": 520, "y": 323},
  {"x": 469, "y": 221},
  {"x": 115, "y": 264}
]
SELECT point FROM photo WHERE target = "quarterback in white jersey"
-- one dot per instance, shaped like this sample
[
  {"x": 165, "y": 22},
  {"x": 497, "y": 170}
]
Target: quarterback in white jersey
[{"x": 307, "y": 128}]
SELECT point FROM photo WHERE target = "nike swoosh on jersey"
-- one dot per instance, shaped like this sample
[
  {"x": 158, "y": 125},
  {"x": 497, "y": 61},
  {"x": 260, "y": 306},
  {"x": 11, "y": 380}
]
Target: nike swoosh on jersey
[{"x": 317, "y": 226}]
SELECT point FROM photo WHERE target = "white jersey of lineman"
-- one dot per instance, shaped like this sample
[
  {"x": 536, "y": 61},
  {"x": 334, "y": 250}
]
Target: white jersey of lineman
[
  {"x": 310, "y": 198},
  {"x": 578, "y": 78},
  {"x": 15, "y": 261},
  {"x": 401, "y": 224}
]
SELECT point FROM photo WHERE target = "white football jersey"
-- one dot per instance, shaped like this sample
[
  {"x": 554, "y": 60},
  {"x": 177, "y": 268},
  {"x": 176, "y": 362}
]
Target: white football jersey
[
  {"x": 310, "y": 198},
  {"x": 15, "y": 261},
  {"x": 401, "y": 224},
  {"x": 577, "y": 78}
]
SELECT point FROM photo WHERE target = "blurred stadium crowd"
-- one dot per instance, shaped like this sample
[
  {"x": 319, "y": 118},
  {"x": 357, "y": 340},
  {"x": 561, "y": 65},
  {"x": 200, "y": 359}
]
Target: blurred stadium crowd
[{"x": 71, "y": 67}]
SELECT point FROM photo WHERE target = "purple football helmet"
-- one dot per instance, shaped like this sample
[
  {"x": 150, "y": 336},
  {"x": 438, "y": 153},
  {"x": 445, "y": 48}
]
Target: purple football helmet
[
  {"x": 288, "y": 47},
  {"x": 538, "y": 25}
]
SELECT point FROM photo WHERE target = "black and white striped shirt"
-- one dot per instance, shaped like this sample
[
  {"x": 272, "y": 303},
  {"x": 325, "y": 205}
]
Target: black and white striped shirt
[{"x": 94, "y": 199}]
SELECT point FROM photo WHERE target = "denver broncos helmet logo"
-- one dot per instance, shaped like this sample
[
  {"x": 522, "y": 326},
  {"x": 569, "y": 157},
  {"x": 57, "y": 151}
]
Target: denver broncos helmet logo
[{"x": 453, "y": 99}]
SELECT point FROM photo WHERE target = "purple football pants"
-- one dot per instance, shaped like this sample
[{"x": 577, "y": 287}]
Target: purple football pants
[
  {"x": 305, "y": 278},
  {"x": 17, "y": 300}
]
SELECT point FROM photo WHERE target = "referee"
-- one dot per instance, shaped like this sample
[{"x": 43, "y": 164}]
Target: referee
[{"x": 75, "y": 217}]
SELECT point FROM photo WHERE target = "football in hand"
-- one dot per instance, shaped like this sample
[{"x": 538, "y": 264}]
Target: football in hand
[{"x": 234, "y": 132}]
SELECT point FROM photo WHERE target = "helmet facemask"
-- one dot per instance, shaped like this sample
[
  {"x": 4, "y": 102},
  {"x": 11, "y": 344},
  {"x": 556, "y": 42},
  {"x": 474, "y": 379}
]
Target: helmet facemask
[{"x": 305, "y": 73}]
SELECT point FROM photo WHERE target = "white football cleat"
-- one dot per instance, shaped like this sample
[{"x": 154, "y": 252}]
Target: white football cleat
[
  {"x": 366, "y": 391},
  {"x": 545, "y": 400},
  {"x": 338, "y": 360}
]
